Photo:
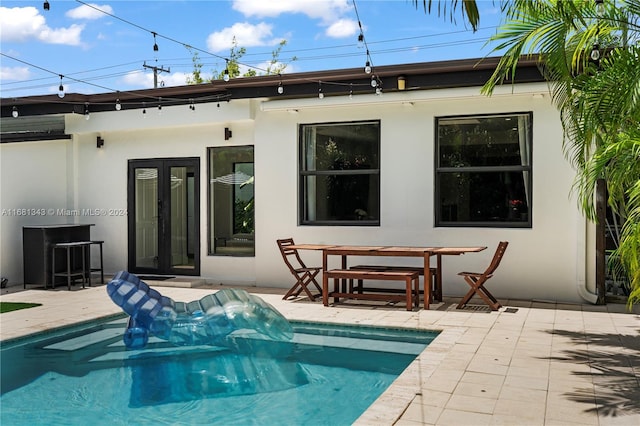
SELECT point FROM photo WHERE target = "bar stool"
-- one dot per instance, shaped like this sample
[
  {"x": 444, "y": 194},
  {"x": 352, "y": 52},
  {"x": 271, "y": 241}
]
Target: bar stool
[
  {"x": 72, "y": 272},
  {"x": 101, "y": 268}
]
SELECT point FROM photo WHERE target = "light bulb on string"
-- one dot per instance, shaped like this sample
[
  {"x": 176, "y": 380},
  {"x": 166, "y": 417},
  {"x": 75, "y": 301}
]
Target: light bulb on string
[
  {"x": 14, "y": 112},
  {"x": 192, "y": 105},
  {"x": 351, "y": 91},
  {"x": 367, "y": 67},
  {"x": 320, "y": 94},
  {"x": 360, "y": 40},
  {"x": 155, "y": 45},
  {"x": 159, "y": 106},
  {"x": 378, "y": 91},
  {"x": 118, "y": 105},
  {"x": 87, "y": 115},
  {"x": 595, "y": 52},
  {"x": 46, "y": 5},
  {"x": 61, "y": 88},
  {"x": 600, "y": 9},
  {"x": 374, "y": 81},
  {"x": 144, "y": 110},
  {"x": 280, "y": 89},
  {"x": 226, "y": 76}
]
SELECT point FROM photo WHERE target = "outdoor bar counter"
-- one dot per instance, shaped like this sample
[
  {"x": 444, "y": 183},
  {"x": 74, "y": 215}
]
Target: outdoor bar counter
[{"x": 37, "y": 241}]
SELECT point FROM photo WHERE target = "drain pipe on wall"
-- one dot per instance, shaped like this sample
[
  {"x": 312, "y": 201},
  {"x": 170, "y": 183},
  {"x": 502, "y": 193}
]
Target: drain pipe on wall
[{"x": 585, "y": 241}]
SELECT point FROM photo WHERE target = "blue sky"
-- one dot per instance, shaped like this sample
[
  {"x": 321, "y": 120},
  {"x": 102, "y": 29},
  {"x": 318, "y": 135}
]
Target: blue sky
[{"x": 101, "y": 52}]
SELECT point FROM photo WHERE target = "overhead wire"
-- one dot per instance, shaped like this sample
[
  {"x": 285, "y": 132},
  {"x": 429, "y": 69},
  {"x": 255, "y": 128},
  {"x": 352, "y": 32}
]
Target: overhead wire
[{"x": 245, "y": 64}]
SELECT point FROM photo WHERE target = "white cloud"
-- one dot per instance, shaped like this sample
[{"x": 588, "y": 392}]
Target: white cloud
[
  {"x": 138, "y": 79},
  {"x": 21, "y": 24},
  {"x": 246, "y": 35},
  {"x": 141, "y": 79},
  {"x": 70, "y": 36},
  {"x": 87, "y": 12},
  {"x": 326, "y": 10},
  {"x": 173, "y": 79},
  {"x": 330, "y": 13},
  {"x": 343, "y": 28},
  {"x": 15, "y": 73}
]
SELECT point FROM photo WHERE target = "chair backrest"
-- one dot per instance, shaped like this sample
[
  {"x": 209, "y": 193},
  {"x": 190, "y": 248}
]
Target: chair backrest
[
  {"x": 289, "y": 253},
  {"x": 497, "y": 257}
]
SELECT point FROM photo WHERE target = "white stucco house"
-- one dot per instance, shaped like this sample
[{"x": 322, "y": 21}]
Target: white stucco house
[{"x": 203, "y": 179}]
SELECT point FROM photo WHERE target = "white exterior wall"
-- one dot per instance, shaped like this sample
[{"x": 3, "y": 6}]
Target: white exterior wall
[
  {"x": 544, "y": 262},
  {"x": 33, "y": 186}
]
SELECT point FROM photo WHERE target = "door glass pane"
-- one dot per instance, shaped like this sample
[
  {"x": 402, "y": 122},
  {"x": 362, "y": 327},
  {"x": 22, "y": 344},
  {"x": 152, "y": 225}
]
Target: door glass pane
[
  {"x": 182, "y": 217},
  {"x": 146, "y": 208}
]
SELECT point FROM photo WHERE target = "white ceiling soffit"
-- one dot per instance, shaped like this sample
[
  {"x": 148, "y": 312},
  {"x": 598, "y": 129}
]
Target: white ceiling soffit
[{"x": 408, "y": 97}]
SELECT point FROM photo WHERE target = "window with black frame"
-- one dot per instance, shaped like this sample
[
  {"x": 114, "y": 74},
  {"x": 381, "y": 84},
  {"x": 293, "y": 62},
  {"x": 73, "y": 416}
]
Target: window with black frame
[
  {"x": 231, "y": 201},
  {"x": 483, "y": 170},
  {"x": 340, "y": 173}
]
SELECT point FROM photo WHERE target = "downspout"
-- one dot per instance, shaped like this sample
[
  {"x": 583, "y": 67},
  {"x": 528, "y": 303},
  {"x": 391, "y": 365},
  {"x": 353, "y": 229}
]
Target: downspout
[
  {"x": 584, "y": 266},
  {"x": 585, "y": 244}
]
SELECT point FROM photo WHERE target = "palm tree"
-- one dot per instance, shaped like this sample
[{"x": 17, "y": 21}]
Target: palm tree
[
  {"x": 591, "y": 58},
  {"x": 469, "y": 9}
]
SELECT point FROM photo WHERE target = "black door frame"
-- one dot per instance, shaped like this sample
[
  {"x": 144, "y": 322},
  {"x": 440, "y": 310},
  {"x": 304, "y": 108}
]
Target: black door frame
[{"x": 163, "y": 165}]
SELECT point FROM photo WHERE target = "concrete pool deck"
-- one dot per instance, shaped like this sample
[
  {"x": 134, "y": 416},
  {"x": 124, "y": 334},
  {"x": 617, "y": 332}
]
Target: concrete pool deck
[{"x": 531, "y": 363}]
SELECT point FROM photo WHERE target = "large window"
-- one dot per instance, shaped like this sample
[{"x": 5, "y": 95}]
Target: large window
[
  {"x": 231, "y": 201},
  {"x": 340, "y": 173},
  {"x": 483, "y": 171}
]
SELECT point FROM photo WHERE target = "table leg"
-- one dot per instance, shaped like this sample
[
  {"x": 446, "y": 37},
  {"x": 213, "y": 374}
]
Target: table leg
[
  {"x": 438, "y": 292},
  {"x": 427, "y": 280},
  {"x": 325, "y": 280},
  {"x": 344, "y": 281},
  {"x": 409, "y": 293}
]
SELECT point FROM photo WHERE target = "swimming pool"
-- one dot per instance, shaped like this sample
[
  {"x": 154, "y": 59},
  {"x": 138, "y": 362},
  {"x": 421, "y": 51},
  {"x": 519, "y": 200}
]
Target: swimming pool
[{"x": 330, "y": 374}]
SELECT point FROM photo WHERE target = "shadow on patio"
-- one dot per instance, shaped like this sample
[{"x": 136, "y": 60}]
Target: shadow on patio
[{"x": 614, "y": 360}]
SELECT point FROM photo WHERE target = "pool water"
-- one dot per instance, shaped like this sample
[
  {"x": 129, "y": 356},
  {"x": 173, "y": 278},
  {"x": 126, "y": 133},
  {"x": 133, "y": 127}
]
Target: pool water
[{"x": 328, "y": 374}]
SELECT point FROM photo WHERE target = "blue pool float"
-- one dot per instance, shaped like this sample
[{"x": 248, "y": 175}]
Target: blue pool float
[{"x": 229, "y": 317}]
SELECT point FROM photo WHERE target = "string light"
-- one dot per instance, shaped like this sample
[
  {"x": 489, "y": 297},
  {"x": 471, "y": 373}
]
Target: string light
[
  {"x": 61, "y": 88},
  {"x": 118, "y": 105},
  {"x": 46, "y": 6},
  {"x": 367, "y": 68},
  {"x": 192, "y": 105},
  {"x": 362, "y": 42},
  {"x": 87, "y": 116},
  {"x": 14, "y": 112},
  {"x": 350, "y": 90},
  {"x": 144, "y": 109},
  {"x": 280, "y": 88},
  {"x": 374, "y": 81},
  {"x": 320, "y": 94},
  {"x": 225, "y": 76},
  {"x": 155, "y": 45},
  {"x": 600, "y": 9},
  {"x": 595, "y": 52},
  {"x": 361, "y": 36}
]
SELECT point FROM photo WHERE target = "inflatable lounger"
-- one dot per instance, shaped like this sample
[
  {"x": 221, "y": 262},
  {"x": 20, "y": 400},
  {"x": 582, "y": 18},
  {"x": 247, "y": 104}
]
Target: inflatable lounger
[{"x": 208, "y": 321}]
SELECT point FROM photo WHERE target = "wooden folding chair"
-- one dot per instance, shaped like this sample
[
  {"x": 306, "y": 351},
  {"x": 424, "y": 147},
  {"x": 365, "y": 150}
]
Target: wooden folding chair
[
  {"x": 304, "y": 275},
  {"x": 477, "y": 280}
]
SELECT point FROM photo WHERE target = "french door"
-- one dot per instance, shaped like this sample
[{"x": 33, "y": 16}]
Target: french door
[{"x": 164, "y": 216}]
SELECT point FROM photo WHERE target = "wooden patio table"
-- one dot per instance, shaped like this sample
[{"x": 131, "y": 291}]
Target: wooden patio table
[{"x": 393, "y": 251}]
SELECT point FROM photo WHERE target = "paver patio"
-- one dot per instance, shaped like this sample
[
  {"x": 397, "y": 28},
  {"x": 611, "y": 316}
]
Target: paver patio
[{"x": 534, "y": 364}]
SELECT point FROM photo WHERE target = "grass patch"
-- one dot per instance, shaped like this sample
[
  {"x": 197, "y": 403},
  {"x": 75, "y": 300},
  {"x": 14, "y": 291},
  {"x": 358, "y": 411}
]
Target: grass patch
[{"x": 14, "y": 306}]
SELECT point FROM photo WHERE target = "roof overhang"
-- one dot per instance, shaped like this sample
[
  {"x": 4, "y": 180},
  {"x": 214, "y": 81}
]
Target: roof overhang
[{"x": 417, "y": 76}]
